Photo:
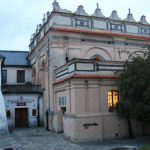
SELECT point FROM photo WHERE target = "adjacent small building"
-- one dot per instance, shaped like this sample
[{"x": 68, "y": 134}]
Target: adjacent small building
[{"x": 23, "y": 100}]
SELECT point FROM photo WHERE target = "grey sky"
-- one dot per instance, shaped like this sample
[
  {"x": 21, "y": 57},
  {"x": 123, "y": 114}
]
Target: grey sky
[{"x": 19, "y": 18}]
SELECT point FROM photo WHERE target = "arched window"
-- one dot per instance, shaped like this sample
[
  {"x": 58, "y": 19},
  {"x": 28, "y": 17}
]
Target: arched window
[
  {"x": 113, "y": 98},
  {"x": 33, "y": 75},
  {"x": 43, "y": 65},
  {"x": 43, "y": 74},
  {"x": 97, "y": 57}
]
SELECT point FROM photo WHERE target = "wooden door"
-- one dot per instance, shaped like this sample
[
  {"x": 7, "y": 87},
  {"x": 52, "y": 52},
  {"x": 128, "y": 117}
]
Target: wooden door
[{"x": 21, "y": 117}]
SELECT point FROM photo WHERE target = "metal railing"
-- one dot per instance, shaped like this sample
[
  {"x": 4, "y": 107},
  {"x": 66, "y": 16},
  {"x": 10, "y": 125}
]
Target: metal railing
[{"x": 22, "y": 88}]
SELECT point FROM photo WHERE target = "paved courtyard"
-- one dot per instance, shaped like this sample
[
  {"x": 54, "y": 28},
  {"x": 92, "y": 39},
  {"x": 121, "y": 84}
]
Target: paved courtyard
[{"x": 40, "y": 139}]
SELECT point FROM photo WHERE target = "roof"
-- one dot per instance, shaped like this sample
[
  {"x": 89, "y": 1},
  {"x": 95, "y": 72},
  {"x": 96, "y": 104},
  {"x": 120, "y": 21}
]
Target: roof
[
  {"x": 1, "y": 56},
  {"x": 15, "y": 58}
]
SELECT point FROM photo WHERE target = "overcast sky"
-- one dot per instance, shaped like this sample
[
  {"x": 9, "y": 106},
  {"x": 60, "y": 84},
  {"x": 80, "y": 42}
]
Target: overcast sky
[{"x": 18, "y": 18}]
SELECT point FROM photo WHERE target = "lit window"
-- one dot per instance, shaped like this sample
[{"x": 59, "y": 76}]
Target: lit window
[{"x": 113, "y": 98}]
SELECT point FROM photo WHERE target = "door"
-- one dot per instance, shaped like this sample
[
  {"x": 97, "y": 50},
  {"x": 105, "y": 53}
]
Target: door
[
  {"x": 60, "y": 119},
  {"x": 21, "y": 117}
]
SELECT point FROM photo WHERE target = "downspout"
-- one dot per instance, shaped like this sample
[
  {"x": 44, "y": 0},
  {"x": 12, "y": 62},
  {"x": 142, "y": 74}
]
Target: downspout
[
  {"x": 38, "y": 111},
  {"x": 48, "y": 75},
  {"x": 48, "y": 110}
]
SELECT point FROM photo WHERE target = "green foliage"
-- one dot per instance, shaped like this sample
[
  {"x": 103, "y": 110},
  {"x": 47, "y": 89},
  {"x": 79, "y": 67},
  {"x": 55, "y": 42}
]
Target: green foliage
[
  {"x": 135, "y": 90},
  {"x": 145, "y": 148}
]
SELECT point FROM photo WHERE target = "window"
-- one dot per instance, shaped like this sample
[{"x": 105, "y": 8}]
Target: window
[
  {"x": 115, "y": 27},
  {"x": 62, "y": 101},
  {"x": 33, "y": 112},
  {"x": 4, "y": 76},
  {"x": 59, "y": 100},
  {"x": 8, "y": 113},
  {"x": 33, "y": 75},
  {"x": 113, "y": 98},
  {"x": 20, "y": 76},
  {"x": 82, "y": 23}
]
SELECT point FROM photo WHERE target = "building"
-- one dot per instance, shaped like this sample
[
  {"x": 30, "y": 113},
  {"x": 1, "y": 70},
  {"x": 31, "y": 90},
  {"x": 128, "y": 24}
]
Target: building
[
  {"x": 68, "y": 80},
  {"x": 23, "y": 100},
  {"x": 74, "y": 57},
  {"x": 3, "y": 119}
]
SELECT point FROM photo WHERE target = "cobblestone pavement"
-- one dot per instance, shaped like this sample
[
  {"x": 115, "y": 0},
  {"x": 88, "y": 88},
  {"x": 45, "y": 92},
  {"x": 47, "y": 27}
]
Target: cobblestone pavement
[{"x": 40, "y": 139}]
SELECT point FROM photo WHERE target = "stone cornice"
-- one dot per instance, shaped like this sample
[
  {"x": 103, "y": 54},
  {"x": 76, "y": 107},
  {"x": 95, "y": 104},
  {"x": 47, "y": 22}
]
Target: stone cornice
[{"x": 99, "y": 33}]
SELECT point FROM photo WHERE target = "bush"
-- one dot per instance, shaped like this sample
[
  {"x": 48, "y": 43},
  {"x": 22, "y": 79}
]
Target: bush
[{"x": 145, "y": 148}]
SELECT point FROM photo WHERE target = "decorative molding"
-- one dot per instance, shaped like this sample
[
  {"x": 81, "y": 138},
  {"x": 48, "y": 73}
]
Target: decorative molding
[
  {"x": 116, "y": 27},
  {"x": 143, "y": 20},
  {"x": 80, "y": 11},
  {"x": 145, "y": 31},
  {"x": 56, "y": 7},
  {"x": 98, "y": 12},
  {"x": 114, "y": 15},
  {"x": 81, "y": 22},
  {"x": 130, "y": 17}
]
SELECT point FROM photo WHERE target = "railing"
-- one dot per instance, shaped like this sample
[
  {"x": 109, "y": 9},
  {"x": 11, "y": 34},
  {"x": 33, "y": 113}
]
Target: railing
[{"x": 19, "y": 89}]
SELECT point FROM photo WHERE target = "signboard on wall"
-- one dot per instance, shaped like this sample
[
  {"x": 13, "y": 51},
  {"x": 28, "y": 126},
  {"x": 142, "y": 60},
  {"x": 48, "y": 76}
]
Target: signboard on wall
[{"x": 21, "y": 104}]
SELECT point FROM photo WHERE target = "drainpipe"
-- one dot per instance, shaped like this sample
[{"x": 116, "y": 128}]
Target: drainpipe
[
  {"x": 47, "y": 112},
  {"x": 48, "y": 75},
  {"x": 38, "y": 111},
  {"x": 102, "y": 128}
]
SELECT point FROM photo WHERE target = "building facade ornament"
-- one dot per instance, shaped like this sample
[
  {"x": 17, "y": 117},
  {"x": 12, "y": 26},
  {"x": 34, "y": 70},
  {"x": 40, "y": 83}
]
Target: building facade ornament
[
  {"x": 143, "y": 20},
  {"x": 44, "y": 19},
  {"x": 98, "y": 12},
  {"x": 114, "y": 15},
  {"x": 80, "y": 11},
  {"x": 47, "y": 14},
  {"x": 130, "y": 17},
  {"x": 37, "y": 29},
  {"x": 56, "y": 7}
]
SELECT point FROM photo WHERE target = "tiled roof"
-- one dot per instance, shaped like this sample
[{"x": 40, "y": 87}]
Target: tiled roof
[{"x": 15, "y": 58}]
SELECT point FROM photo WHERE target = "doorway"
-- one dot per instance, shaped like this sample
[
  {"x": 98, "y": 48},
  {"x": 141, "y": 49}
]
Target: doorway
[
  {"x": 60, "y": 119},
  {"x": 21, "y": 117}
]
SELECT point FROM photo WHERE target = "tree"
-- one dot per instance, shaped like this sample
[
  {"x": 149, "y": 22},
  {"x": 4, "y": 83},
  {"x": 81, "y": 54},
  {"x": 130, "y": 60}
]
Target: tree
[{"x": 135, "y": 91}]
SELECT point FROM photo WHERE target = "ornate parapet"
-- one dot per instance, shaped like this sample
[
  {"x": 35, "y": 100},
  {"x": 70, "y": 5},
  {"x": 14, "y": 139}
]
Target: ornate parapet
[{"x": 96, "y": 22}]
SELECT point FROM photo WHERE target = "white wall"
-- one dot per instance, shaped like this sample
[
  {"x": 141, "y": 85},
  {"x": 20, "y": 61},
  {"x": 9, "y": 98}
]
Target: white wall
[
  {"x": 12, "y": 74},
  {"x": 31, "y": 103}
]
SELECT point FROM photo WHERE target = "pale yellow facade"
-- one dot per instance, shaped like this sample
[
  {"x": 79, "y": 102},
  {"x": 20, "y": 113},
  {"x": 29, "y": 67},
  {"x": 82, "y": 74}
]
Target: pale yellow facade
[{"x": 75, "y": 58}]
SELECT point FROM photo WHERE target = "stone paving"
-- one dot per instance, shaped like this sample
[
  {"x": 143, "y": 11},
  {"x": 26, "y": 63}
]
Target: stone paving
[{"x": 40, "y": 139}]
